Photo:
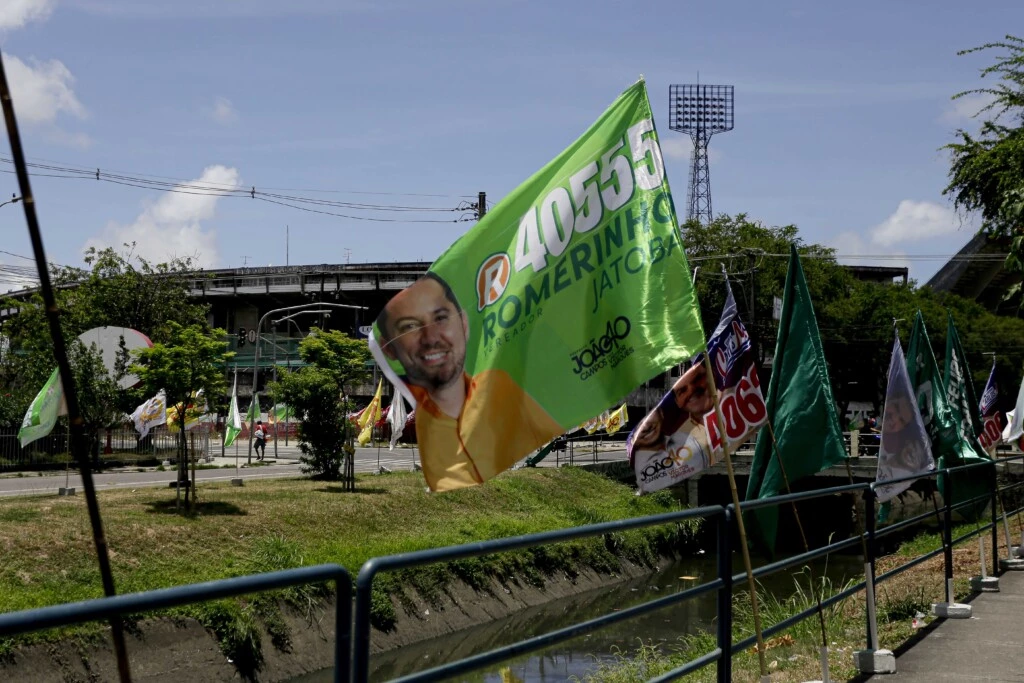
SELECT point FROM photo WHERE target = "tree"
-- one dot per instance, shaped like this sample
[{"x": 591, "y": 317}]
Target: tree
[
  {"x": 855, "y": 318},
  {"x": 986, "y": 172},
  {"x": 318, "y": 394},
  {"x": 118, "y": 289},
  {"x": 191, "y": 360}
]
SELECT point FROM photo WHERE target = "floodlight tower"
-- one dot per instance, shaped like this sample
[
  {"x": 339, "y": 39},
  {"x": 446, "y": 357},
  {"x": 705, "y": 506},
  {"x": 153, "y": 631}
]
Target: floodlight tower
[{"x": 700, "y": 111}]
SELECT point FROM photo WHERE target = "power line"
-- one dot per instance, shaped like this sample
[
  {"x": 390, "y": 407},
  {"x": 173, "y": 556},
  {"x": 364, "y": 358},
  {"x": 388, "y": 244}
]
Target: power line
[{"x": 210, "y": 189}]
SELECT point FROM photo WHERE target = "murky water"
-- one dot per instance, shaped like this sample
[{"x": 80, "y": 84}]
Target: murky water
[{"x": 578, "y": 656}]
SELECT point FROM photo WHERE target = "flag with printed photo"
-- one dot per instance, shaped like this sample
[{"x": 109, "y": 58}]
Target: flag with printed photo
[
  {"x": 569, "y": 294},
  {"x": 991, "y": 418},
  {"x": 681, "y": 436},
  {"x": 905, "y": 449}
]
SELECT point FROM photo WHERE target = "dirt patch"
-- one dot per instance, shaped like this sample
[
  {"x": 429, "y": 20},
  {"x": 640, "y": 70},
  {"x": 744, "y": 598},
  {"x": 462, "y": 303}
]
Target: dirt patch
[{"x": 167, "y": 649}]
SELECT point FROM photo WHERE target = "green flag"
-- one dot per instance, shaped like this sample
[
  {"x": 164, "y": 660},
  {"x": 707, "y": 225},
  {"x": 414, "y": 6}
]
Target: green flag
[
  {"x": 801, "y": 410},
  {"x": 565, "y": 297},
  {"x": 41, "y": 415},
  {"x": 929, "y": 388},
  {"x": 966, "y": 422},
  {"x": 234, "y": 424},
  {"x": 254, "y": 411}
]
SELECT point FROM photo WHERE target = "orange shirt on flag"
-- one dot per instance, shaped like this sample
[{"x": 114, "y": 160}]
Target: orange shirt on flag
[{"x": 500, "y": 423}]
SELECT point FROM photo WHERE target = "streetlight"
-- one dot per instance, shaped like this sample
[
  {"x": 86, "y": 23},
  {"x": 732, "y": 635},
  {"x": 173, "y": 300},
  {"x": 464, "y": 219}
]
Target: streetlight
[
  {"x": 273, "y": 325},
  {"x": 256, "y": 357},
  {"x": 13, "y": 200}
]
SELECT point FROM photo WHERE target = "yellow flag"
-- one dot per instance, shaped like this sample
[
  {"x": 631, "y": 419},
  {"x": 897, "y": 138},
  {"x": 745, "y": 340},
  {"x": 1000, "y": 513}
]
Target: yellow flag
[
  {"x": 595, "y": 423},
  {"x": 616, "y": 420},
  {"x": 370, "y": 417}
]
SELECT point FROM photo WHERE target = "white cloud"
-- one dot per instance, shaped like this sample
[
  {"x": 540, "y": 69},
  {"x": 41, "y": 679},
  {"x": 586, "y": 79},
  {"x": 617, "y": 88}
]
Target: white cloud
[
  {"x": 42, "y": 90},
  {"x": 964, "y": 109},
  {"x": 680, "y": 147},
  {"x": 915, "y": 222},
  {"x": 173, "y": 226},
  {"x": 16, "y": 13},
  {"x": 223, "y": 111}
]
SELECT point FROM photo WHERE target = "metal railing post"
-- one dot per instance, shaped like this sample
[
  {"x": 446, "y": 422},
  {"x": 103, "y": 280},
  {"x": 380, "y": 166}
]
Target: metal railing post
[
  {"x": 995, "y": 522},
  {"x": 947, "y": 533},
  {"x": 725, "y": 597},
  {"x": 343, "y": 629},
  {"x": 869, "y": 568},
  {"x": 361, "y": 627}
]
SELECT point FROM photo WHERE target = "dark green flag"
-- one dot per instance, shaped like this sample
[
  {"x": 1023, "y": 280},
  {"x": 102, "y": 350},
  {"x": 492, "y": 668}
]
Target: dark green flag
[
  {"x": 930, "y": 390},
  {"x": 801, "y": 410},
  {"x": 966, "y": 422}
]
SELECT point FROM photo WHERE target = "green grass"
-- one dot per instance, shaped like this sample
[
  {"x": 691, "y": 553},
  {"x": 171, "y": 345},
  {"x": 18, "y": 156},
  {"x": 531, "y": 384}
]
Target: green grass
[{"x": 276, "y": 524}]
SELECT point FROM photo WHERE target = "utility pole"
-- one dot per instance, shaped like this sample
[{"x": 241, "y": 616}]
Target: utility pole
[
  {"x": 481, "y": 205},
  {"x": 287, "y": 235}
]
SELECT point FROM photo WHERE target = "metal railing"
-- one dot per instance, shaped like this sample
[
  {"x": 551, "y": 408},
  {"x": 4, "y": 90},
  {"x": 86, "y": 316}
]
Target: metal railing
[
  {"x": 353, "y": 628},
  {"x": 722, "y": 518},
  {"x": 43, "y": 618}
]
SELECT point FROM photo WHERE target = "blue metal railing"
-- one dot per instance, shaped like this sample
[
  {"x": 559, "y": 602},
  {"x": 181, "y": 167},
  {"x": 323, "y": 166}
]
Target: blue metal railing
[
  {"x": 352, "y": 643},
  {"x": 27, "y": 621}
]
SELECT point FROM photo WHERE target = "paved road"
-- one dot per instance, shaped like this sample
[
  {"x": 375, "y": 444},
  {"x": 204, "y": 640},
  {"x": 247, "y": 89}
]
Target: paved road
[
  {"x": 285, "y": 464},
  {"x": 986, "y": 647}
]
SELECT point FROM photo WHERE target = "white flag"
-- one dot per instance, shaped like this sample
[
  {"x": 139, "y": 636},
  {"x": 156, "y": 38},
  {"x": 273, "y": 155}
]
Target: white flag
[
  {"x": 234, "y": 424},
  {"x": 150, "y": 414},
  {"x": 42, "y": 413},
  {"x": 396, "y": 418},
  {"x": 1014, "y": 429},
  {"x": 905, "y": 449}
]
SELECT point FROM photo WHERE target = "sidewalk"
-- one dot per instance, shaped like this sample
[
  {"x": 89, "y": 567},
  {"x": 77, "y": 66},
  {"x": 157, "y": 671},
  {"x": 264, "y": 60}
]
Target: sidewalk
[{"x": 987, "y": 647}]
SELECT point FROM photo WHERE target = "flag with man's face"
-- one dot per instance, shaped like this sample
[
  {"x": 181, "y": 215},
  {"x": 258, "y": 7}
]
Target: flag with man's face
[{"x": 564, "y": 298}]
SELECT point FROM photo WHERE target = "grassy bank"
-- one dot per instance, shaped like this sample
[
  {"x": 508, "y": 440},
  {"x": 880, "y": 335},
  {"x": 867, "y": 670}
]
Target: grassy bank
[
  {"x": 275, "y": 524},
  {"x": 793, "y": 655}
]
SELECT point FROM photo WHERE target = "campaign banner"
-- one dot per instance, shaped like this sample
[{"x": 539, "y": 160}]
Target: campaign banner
[
  {"x": 681, "y": 436},
  {"x": 565, "y": 297},
  {"x": 904, "y": 448},
  {"x": 991, "y": 418}
]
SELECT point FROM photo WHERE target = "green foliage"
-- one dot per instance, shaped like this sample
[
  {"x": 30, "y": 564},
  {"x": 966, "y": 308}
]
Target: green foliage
[
  {"x": 191, "y": 359},
  {"x": 986, "y": 172},
  {"x": 119, "y": 289},
  {"x": 317, "y": 393},
  {"x": 855, "y": 318}
]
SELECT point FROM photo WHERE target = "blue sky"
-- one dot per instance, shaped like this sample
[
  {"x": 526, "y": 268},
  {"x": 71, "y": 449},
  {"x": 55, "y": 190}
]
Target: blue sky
[{"x": 841, "y": 111}]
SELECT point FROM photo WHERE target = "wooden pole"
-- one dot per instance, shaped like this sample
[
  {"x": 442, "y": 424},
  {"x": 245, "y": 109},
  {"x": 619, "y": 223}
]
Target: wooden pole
[
  {"x": 807, "y": 548},
  {"x": 751, "y": 584}
]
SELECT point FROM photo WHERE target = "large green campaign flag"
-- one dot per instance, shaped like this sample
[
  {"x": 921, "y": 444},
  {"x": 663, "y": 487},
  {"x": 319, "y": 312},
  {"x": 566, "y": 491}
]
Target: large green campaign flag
[
  {"x": 565, "y": 297},
  {"x": 963, "y": 408},
  {"x": 42, "y": 413},
  {"x": 801, "y": 410},
  {"x": 930, "y": 390}
]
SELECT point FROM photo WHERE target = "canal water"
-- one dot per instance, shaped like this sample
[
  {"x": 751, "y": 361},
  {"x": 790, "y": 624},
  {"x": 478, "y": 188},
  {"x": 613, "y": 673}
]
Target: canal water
[{"x": 578, "y": 656}]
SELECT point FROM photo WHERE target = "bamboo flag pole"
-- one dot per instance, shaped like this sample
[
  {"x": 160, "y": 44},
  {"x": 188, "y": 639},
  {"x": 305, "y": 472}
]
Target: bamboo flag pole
[
  {"x": 76, "y": 426},
  {"x": 807, "y": 548},
  {"x": 751, "y": 584}
]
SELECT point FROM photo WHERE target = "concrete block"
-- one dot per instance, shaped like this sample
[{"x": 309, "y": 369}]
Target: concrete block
[
  {"x": 951, "y": 610},
  {"x": 238, "y": 482},
  {"x": 1014, "y": 563},
  {"x": 66, "y": 491},
  {"x": 985, "y": 584},
  {"x": 875, "y": 661}
]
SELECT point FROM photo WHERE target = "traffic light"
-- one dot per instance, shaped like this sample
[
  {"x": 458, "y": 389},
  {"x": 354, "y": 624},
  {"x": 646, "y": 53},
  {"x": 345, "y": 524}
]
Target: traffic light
[{"x": 241, "y": 337}]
